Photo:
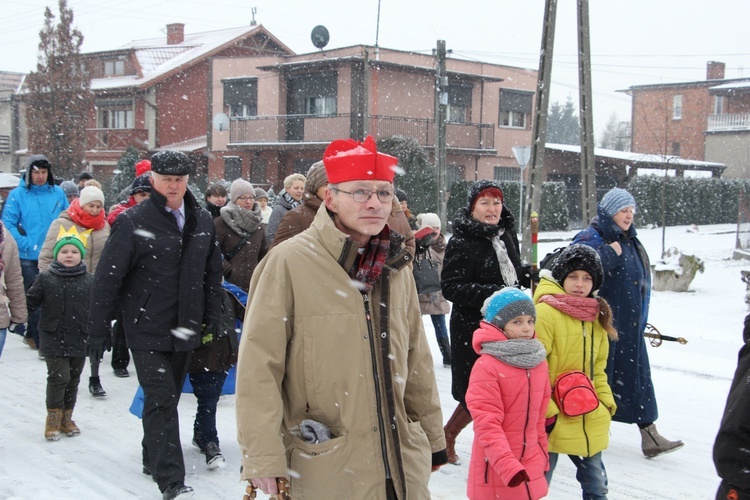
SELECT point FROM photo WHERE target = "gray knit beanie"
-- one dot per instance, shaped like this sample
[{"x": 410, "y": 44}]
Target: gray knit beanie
[
  {"x": 615, "y": 200},
  {"x": 240, "y": 187}
]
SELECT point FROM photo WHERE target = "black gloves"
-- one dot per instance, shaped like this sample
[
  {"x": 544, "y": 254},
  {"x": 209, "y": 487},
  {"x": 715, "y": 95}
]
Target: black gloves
[{"x": 96, "y": 345}]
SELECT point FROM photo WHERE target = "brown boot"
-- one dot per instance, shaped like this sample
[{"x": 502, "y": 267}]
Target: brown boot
[
  {"x": 52, "y": 426},
  {"x": 653, "y": 443},
  {"x": 67, "y": 426},
  {"x": 460, "y": 419}
]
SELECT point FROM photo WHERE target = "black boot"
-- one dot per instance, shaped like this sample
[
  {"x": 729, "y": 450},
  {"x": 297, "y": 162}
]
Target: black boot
[
  {"x": 445, "y": 350},
  {"x": 95, "y": 387}
]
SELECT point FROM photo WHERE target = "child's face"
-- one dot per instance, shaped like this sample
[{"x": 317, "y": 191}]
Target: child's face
[
  {"x": 69, "y": 255},
  {"x": 578, "y": 283},
  {"x": 92, "y": 208},
  {"x": 520, "y": 327},
  {"x": 142, "y": 196}
]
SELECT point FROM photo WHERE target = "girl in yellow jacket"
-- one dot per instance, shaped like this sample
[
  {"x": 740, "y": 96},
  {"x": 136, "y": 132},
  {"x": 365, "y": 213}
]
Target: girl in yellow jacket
[{"x": 575, "y": 327}]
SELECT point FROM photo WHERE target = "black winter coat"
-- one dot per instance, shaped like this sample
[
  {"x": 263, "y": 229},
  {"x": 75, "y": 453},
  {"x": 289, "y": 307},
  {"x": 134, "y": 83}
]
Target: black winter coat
[
  {"x": 732, "y": 446},
  {"x": 471, "y": 273},
  {"x": 220, "y": 353},
  {"x": 164, "y": 279},
  {"x": 63, "y": 295}
]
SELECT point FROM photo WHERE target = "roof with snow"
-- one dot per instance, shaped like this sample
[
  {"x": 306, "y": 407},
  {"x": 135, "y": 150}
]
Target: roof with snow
[
  {"x": 741, "y": 85},
  {"x": 186, "y": 146},
  {"x": 646, "y": 160},
  {"x": 158, "y": 60}
]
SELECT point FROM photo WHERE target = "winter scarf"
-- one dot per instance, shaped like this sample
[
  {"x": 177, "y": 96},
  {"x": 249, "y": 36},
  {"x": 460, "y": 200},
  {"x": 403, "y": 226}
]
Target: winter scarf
[
  {"x": 289, "y": 200},
  {"x": 520, "y": 353},
  {"x": 83, "y": 218},
  {"x": 56, "y": 267},
  {"x": 372, "y": 261},
  {"x": 580, "y": 308},
  {"x": 241, "y": 221},
  {"x": 510, "y": 278}
]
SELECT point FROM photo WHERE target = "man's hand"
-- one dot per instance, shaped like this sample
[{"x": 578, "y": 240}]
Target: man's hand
[
  {"x": 95, "y": 346},
  {"x": 17, "y": 328},
  {"x": 266, "y": 484}
]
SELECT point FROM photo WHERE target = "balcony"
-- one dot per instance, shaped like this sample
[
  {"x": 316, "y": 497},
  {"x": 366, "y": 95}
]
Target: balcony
[
  {"x": 728, "y": 122},
  {"x": 116, "y": 139},
  {"x": 296, "y": 129}
]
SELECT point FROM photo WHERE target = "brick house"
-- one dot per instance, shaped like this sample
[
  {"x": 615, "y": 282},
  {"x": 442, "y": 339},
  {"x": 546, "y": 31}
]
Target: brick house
[
  {"x": 279, "y": 113},
  {"x": 695, "y": 120}
]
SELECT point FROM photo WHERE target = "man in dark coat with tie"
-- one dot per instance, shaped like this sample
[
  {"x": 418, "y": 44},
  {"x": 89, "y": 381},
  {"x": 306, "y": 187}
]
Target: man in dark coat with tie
[{"x": 162, "y": 265}]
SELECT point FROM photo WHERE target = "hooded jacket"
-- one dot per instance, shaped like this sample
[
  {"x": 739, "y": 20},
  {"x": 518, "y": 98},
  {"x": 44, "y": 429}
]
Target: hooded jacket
[
  {"x": 573, "y": 344},
  {"x": 162, "y": 278},
  {"x": 313, "y": 347},
  {"x": 30, "y": 209},
  {"x": 471, "y": 273},
  {"x": 508, "y": 405},
  {"x": 627, "y": 289},
  {"x": 94, "y": 244}
]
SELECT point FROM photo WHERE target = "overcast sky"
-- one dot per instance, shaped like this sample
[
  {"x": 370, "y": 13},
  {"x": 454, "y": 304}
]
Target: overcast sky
[{"x": 633, "y": 42}]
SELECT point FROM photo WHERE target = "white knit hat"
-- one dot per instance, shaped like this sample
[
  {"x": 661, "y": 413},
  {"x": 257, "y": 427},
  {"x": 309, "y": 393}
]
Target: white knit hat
[
  {"x": 428, "y": 219},
  {"x": 89, "y": 194}
]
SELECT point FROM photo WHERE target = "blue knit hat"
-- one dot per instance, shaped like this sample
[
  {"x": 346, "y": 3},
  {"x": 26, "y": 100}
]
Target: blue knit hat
[
  {"x": 506, "y": 304},
  {"x": 615, "y": 200}
]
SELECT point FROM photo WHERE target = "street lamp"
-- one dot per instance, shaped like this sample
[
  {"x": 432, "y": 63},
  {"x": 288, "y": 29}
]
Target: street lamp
[{"x": 522, "y": 155}]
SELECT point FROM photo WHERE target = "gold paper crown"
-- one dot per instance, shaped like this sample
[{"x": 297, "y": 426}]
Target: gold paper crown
[{"x": 83, "y": 236}]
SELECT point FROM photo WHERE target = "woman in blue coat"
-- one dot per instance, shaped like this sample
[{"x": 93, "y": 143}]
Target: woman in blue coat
[{"x": 627, "y": 289}]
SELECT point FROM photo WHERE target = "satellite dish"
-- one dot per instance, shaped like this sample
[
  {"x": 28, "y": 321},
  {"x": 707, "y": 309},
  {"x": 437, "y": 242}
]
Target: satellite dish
[
  {"x": 320, "y": 36},
  {"x": 220, "y": 122}
]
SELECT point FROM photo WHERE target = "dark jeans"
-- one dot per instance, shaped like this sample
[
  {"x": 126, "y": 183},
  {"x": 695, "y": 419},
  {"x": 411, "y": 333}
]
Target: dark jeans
[
  {"x": 30, "y": 270},
  {"x": 120, "y": 354},
  {"x": 590, "y": 473},
  {"x": 207, "y": 388},
  {"x": 161, "y": 374},
  {"x": 441, "y": 329},
  {"x": 63, "y": 377}
]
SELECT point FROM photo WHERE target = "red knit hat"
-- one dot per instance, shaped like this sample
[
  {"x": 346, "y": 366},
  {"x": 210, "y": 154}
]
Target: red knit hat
[
  {"x": 142, "y": 167},
  {"x": 349, "y": 160}
]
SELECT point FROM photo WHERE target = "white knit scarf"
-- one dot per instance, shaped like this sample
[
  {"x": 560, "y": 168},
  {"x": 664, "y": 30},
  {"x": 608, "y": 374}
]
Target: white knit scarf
[{"x": 510, "y": 278}]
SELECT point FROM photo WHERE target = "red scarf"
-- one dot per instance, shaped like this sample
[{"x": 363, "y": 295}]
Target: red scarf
[
  {"x": 372, "y": 261},
  {"x": 83, "y": 218},
  {"x": 581, "y": 308}
]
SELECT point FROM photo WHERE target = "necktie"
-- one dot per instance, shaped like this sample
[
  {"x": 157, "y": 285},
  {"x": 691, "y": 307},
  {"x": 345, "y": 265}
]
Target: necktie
[{"x": 178, "y": 216}]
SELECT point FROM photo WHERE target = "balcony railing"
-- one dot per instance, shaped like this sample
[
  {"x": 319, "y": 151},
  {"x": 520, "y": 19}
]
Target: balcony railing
[
  {"x": 116, "y": 139},
  {"x": 289, "y": 129},
  {"x": 729, "y": 121}
]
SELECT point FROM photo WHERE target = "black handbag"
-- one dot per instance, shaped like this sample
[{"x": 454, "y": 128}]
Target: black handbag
[{"x": 426, "y": 276}]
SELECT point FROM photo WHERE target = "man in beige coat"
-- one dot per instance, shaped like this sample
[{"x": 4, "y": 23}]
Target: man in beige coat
[{"x": 335, "y": 385}]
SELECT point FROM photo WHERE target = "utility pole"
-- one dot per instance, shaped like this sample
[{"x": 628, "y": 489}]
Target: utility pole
[
  {"x": 588, "y": 161},
  {"x": 441, "y": 111},
  {"x": 539, "y": 126}
]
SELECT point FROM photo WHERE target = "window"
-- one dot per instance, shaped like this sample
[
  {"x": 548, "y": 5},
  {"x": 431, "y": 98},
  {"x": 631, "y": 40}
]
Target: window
[
  {"x": 116, "y": 113},
  {"x": 313, "y": 94},
  {"x": 675, "y": 149},
  {"x": 507, "y": 174},
  {"x": 677, "y": 107},
  {"x": 241, "y": 97},
  {"x": 515, "y": 105},
  {"x": 459, "y": 104},
  {"x": 232, "y": 167},
  {"x": 114, "y": 68},
  {"x": 718, "y": 104}
]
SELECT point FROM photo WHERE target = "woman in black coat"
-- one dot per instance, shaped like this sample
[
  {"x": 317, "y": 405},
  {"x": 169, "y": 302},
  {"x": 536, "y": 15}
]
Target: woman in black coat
[{"x": 482, "y": 257}]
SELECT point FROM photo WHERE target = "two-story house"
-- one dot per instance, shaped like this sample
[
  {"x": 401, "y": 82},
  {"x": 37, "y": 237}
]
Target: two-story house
[
  {"x": 274, "y": 116},
  {"x": 695, "y": 120}
]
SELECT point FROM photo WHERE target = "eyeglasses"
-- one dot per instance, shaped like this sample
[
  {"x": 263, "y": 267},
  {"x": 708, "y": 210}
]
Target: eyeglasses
[
  {"x": 364, "y": 195},
  {"x": 245, "y": 198}
]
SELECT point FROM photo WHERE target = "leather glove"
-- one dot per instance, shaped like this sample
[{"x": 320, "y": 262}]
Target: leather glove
[
  {"x": 17, "y": 328},
  {"x": 519, "y": 478},
  {"x": 96, "y": 345}
]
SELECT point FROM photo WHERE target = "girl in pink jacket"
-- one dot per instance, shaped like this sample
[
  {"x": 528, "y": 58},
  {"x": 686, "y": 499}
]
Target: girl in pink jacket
[{"x": 507, "y": 397}]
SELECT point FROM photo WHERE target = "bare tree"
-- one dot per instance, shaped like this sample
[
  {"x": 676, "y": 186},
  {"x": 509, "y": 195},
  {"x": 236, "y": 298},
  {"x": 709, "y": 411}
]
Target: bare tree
[
  {"x": 614, "y": 135},
  {"x": 59, "y": 95}
]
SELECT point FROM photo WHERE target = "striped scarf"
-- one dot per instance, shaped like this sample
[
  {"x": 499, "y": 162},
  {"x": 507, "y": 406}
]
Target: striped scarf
[{"x": 371, "y": 263}]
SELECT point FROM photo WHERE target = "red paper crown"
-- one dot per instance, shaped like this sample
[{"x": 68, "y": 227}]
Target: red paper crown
[{"x": 349, "y": 160}]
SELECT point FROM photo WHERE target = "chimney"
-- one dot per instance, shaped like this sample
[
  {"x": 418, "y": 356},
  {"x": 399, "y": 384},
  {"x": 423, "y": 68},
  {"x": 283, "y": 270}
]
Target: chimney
[
  {"x": 714, "y": 70},
  {"x": 175, "y": 33}
]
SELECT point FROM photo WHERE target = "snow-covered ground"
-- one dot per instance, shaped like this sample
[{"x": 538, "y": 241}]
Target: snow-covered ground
[{"x": 691, "y": 385}]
